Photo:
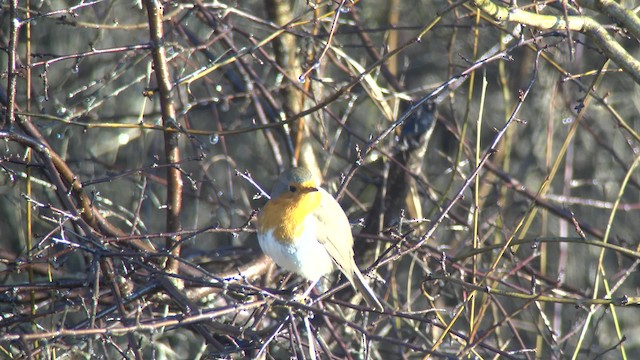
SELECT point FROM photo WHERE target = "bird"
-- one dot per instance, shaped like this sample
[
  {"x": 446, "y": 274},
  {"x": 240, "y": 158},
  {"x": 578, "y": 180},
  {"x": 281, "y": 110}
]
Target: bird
[{"x": 305, "y": 231}]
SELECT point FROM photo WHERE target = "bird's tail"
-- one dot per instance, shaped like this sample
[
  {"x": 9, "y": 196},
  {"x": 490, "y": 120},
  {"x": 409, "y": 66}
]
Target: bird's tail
[{"x": 360, "y": 283}]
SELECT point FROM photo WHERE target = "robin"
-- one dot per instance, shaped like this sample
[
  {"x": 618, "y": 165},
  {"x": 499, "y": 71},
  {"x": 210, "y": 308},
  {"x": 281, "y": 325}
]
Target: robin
[{"x": 304, "y": 230}]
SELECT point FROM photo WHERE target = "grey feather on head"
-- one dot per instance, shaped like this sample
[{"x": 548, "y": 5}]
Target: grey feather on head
[{"x": 295, "y": 175}]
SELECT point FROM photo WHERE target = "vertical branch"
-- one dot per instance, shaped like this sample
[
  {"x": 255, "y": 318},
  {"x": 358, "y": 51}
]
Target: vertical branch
[
  {"x": 14, "y": 28},
  {"x": 285, "y": 48},
  {"x": 28, "y": 158},
  {"x": 392, "y": 40},
  {"x": 171, "y": 139},
  {"x": 28, "y": 190}
]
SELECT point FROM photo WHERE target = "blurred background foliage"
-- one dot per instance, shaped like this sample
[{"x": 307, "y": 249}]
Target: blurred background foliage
[{"x": 394, "y": 105}]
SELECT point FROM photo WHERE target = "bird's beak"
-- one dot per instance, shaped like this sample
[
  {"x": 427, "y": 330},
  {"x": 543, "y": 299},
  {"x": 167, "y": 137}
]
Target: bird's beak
[{"x": 310, "y": 189}]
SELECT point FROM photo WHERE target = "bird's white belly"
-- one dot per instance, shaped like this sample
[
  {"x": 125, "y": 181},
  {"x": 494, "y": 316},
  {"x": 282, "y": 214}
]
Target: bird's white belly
[{"x": 306, "y": 257}]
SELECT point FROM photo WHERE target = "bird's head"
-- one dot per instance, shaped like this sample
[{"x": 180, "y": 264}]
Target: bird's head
[
  {"x": 295, "y": 184},
  {"x": 294, "y": 197}
]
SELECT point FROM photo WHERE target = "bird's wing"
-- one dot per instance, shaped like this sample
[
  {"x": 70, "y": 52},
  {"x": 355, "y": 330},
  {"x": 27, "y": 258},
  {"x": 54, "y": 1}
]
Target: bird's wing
[{"x": 335, "y": 233}]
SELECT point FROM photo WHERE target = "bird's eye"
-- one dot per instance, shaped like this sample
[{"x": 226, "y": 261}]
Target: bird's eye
[{"x": 292, "y": 188}]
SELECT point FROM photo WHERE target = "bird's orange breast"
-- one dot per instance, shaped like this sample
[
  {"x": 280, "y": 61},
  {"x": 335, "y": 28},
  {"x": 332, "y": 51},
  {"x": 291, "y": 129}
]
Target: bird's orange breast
[{"x": 287, "y": 213}]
